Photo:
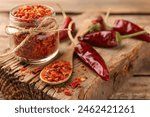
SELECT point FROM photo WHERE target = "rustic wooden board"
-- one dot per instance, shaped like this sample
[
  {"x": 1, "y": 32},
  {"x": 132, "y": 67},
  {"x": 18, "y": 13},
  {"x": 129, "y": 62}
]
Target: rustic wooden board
[
  {"x": 1, "y": 96},
  {"x": 135, "y": 88},
  {"x": 119, "y": 60}
]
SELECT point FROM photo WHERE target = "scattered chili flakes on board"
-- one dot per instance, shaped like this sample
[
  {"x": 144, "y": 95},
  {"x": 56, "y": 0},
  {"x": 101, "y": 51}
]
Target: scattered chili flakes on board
[
  {"x": 75, "y": 83},
  {"x": 23, "y": 69},
  {"x": 68, "y": 92},
  {"x": 70, "y": 88},
  {"x": 64, "y": 89}
]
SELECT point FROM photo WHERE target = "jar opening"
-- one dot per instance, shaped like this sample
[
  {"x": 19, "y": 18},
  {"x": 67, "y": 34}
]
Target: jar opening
[{"x": 30, "y": 13}]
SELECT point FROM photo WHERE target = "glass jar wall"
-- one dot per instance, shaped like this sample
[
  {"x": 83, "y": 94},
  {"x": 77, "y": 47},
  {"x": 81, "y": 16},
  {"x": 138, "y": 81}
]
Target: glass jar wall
[{"x": 35, "y": 41}]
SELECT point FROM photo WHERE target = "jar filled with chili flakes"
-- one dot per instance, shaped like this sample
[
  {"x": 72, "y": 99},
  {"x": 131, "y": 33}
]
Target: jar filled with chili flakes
[{"x": 29, "y": 25}]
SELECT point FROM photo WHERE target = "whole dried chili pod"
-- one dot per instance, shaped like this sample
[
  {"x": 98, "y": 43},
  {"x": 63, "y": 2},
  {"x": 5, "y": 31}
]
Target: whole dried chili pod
[
  {"x": 63, "y": 34},
  {"x": 127, "y": 27},
  {"x": 97, "y": 25},
  {"x": 99, "y": 20},
  {"x": 108, "y": 38},
  {"x": 101, "y": 38},
  {"x": 91, "y": 57}
]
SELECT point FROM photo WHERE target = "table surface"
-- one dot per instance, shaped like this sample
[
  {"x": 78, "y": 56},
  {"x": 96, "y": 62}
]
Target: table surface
[{"x": 137, "y": 87}]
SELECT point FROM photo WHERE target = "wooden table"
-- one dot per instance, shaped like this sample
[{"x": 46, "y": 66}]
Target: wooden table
[{"x": 136, "y": 87}]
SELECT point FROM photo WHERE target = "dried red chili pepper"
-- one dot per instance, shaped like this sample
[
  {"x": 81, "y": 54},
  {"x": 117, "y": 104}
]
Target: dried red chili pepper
[
  {"x": 90, "y": 56},
  {"x": 100, "y": 21},
  {"x": 101, "y": 38},
  {"x": 127, "y": 27},
  {"x": 108, "y": 38},
  {"x": 97, "y": 25},
  {"x": 64, "y": 33}
]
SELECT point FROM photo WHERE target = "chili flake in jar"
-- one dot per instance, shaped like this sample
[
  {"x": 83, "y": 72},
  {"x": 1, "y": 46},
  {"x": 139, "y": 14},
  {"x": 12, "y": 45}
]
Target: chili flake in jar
[
  {"x": 56, "y": 71},
  {"x": 40, "y": 47},
  {"x": 31, "y": 12}
]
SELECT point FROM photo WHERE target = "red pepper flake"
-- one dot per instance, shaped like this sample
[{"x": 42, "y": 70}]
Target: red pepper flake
[
  {"x": 68, "y": 89},
  {"x": 64, "y": 89},
  {"x": 75, "y": 83},
  {"x": 68, "y": 93},
  {"x": 58, "y": 70},
  {"x": 31, "y": 12},
  {"x": 22, "y": 69},
  {"x": 42, "y": 44}
]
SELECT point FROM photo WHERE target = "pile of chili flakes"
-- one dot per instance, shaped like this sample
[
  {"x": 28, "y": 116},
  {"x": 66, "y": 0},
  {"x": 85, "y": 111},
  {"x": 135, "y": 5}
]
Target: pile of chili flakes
[{"x": 67, "y": 89}]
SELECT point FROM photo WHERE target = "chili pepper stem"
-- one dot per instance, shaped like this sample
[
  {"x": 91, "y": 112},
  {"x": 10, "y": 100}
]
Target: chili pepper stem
[
  {"x": 107, "y": 27},
  {"x": 107, "y": 16},
  {"x": 133, "y": 35},
  {"x": 95, "y": 27},
  {"x": 121, "y": 37},
  {"x": 70, "y": 35}
]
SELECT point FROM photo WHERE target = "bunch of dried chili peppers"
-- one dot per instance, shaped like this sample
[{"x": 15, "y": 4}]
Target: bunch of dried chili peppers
[
  {"x": 104, "y": 37},
  {"x": 100, "y": 35},
  {"x": 63, "y": 34}
]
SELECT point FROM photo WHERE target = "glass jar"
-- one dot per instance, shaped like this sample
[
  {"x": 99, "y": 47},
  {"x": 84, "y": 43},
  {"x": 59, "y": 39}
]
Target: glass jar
[{"x": 40, "y": 47}]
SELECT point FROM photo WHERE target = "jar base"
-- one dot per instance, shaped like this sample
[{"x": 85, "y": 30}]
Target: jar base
[{"x": 52, "y": 56}]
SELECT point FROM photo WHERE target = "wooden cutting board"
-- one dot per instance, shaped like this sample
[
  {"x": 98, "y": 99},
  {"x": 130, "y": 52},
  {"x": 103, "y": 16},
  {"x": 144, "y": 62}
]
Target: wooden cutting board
[{"x": 121, "y": 61}]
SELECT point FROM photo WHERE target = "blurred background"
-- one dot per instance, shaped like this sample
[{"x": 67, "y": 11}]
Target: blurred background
[{"x": 117, "y": 6}]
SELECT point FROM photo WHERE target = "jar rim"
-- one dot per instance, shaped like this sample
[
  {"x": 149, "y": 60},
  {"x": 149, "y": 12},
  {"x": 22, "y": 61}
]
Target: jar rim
[{"x": 18, "y": 18}]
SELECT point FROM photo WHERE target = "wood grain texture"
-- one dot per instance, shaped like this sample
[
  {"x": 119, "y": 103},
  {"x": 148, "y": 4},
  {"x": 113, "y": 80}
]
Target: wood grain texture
[
  {"x": 1, "y": 96},
  {"x": 117, "y": 6},
  {"x": 135, "y": 88}
]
